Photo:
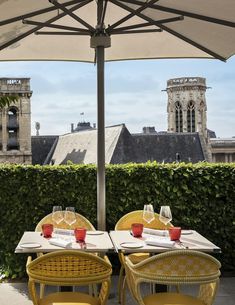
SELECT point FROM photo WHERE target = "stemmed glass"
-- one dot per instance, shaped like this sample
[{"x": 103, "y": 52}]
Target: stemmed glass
[
  {"x": 57, "y": 214},
  {"x": 165, "y": 215},
  {"x": 70, "y": 216},
  {"x": 148, "y": 213}
]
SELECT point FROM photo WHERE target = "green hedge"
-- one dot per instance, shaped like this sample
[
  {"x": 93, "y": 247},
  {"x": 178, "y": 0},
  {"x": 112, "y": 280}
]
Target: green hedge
[{"x": 201, "y": 196}]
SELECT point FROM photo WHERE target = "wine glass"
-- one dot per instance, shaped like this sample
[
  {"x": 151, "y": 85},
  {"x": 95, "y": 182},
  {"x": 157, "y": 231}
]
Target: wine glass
[
  {"x": 165, "y": 215},
  {"x": 57, "y": 214},
  {"x": 70, "y": 216},
  {"x": 148, "y": 213}
]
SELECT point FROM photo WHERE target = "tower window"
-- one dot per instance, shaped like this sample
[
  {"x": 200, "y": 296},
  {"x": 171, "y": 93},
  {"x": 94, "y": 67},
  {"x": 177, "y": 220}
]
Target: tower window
[
  {"x": 13, "y": 141},
  {"x": 191, "y": 117},
  {"x": 178, "y": 117}
]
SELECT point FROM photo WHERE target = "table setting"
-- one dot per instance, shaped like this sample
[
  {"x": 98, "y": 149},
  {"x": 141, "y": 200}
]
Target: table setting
[{"x": 140, "y": 238}]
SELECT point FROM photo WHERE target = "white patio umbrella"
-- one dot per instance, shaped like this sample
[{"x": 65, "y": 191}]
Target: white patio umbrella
[{"x": 80, "y": 30}]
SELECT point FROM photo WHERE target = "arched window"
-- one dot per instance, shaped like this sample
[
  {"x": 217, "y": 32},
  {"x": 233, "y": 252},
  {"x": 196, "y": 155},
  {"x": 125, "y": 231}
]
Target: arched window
[
  {"x": 13, "y": 141},
  {"x": 178, "y": 117},
  {"x": 191, "y": 117}
]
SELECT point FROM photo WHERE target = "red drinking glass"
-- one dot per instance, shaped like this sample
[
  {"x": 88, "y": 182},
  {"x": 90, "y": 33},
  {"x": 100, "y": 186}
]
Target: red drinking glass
[
  {"x": 175, "y": 233},
  {"x": 47, "y": 229},
  {"x": 137, "y": 229},
  {"x": 80, "y": 234}
]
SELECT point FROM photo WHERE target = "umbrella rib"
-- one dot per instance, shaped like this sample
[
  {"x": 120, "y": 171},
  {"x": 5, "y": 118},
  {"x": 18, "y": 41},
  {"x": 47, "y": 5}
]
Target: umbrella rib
[
  {"x": 71, "y": 14},
  {"x": 186, "y": 39},
  {"x": 185, "y": 13},
  {"x": 132, "y": 14},
  {"x": 146, "y": 24},
  {"x": 101, "y": 21},
  {"x": 136, "y": 31},
  {"x": 36, "y": 13},
  {"x": 14, "y": 40},
  {"x": 55, "y": 26},
  {"x": 62, "y": 33}
]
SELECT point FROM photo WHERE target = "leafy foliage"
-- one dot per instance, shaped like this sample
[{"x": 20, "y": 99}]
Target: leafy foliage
[
  {"x": 6, "y": 100},
  {"x": 201, "y": 196}
]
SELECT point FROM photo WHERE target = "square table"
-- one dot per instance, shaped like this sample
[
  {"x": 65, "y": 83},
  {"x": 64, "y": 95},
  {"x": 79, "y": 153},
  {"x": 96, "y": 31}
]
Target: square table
[
  {"x": 191, "y": 240},
  {"x": 96, "y": 241}
]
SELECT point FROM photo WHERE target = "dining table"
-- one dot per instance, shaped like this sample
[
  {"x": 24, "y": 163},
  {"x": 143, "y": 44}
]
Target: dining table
[
  {"x": 34, "y": 242},
  {"x": 125, "y": 242}
]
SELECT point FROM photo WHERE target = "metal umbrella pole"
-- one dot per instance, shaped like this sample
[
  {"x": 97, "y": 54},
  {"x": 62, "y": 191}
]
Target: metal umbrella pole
[{"x": 100, "y": 41}]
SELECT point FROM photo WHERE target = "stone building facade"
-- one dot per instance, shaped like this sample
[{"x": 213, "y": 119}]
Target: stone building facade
[
  {"x": 186, "y": 108},
  {"x": 15, "y": 122},
  {"x": 223, "y": 149}
]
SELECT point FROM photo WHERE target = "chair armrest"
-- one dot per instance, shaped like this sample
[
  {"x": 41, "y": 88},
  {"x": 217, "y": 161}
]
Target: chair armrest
[{"x": 29, "y": 260}]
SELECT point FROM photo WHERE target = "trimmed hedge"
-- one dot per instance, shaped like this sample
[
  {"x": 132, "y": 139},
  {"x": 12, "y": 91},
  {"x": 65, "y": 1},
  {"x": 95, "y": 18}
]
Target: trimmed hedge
[{"x": 201, "y": 196}]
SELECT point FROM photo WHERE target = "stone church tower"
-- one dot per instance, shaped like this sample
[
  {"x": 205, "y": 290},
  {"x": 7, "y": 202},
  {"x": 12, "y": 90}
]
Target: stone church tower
[
  {"x": 187, "y": 108},
  {"x": 15, "y": 122}
]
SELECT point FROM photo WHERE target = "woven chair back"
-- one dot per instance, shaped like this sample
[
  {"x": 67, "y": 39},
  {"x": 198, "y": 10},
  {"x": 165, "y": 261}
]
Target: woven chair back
[
  {"x": 81, "y": 221},
  {"x": 177, "y": 267},
  {"x": 125, "y": 222},
  {"x": 69, "y": 267}
]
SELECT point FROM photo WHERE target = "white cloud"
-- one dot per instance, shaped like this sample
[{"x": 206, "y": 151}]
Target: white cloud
[{"x": 61, "y": 91}]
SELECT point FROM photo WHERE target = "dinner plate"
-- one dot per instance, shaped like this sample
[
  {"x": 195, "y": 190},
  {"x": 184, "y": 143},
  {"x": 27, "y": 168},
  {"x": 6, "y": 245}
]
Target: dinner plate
[
  {"x": 186, "y": 232},
  {"x": 132, "y": 245},
  {"x": 94, "y": 232},
  {"x": 30, "y": 245}
]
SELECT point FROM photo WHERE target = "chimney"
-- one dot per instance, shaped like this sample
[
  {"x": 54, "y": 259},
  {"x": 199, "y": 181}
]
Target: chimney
[{"x": 148, "y": 129}]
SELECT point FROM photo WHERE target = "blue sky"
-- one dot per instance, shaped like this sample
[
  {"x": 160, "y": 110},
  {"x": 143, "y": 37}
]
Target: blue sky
[{"x": 134, "y": 96}]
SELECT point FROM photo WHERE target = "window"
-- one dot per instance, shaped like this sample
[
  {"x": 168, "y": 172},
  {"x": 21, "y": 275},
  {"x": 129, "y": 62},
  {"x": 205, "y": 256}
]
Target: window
[
  {"x": 13, "y": 141},
  {"x": 191, "y": 117},
  {"x": 178, "y": 117}
]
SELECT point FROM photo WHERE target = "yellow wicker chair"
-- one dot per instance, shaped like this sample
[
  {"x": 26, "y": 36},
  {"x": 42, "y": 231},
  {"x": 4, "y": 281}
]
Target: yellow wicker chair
[
  {"x": 177, "y": 267},
  {"x": 124, "y": 223},
  {"x": 81, "y": 221},
  {"x": 69, "y": 268}
]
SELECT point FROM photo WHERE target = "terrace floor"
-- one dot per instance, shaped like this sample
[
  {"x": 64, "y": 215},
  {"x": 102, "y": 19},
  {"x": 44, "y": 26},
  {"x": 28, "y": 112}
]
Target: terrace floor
[{"x": 17, "y": 293}]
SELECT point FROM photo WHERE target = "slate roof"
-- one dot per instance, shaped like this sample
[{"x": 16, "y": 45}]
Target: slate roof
[
  {"x": 165, "y": 147},
  {"x": 120, "y": 147},
  {"x": 81, "y": 147},
  {"x": 42, "y": 147}
]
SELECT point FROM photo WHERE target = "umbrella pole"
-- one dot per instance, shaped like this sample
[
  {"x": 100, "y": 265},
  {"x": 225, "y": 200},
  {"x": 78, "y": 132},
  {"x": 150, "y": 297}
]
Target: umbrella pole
[
  {"x": 101, "y": 210},
  {"x": 100, "y": 40}
]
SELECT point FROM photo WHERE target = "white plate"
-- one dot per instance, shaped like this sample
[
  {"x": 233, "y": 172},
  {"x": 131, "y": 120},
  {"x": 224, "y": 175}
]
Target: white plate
[
  {"x": 94, "y": 232},
  {"x": 133, "y": 245},
  {"x": 30, "y": 245},
  {"x": 186, "y": 232}
]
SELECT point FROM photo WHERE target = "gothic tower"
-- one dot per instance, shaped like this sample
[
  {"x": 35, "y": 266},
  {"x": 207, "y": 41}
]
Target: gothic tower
[
  {"x": 187, "y": 108},
  {"x": 187, "y": 105},
  {"x": 15, "y": 122}
]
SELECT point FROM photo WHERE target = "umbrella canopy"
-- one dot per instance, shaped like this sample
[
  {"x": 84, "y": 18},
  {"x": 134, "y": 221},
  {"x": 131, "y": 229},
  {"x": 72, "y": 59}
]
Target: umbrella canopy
[
  {"x": 80, "y": 30},
  {"x": 168, "y": 28}
]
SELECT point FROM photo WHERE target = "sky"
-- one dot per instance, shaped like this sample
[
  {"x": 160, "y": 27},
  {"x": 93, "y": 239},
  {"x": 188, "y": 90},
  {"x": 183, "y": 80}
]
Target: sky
[{"x": 133, "y": 92}]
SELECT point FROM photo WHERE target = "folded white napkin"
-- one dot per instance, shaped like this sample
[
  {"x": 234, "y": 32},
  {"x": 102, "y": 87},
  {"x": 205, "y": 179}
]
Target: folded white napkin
[
  {"x": 159, "y": 241},
  {"x": 60, "y": 242},
  {"x": 156, "y": 232},
  {"x": 63, "y": 231}
]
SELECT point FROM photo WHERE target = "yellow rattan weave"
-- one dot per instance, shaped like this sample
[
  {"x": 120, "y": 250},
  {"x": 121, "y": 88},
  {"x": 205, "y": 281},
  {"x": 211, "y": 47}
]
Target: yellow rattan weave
[
  {"x": 69, "y": 268},
  {"x": 175, "y": 268},
  {"x": 81, "y": 221},
  {"x": 125, "y": 223}
]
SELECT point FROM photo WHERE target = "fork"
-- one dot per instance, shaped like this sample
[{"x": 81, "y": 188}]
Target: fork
[{"x": 182, "y": 245}]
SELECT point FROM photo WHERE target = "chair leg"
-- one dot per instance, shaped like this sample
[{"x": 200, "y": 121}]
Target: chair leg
[
  {"x": 123, "y": 294},
  {"x": 42, "y": 289},
  {"x": 120, "y": 283}
]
